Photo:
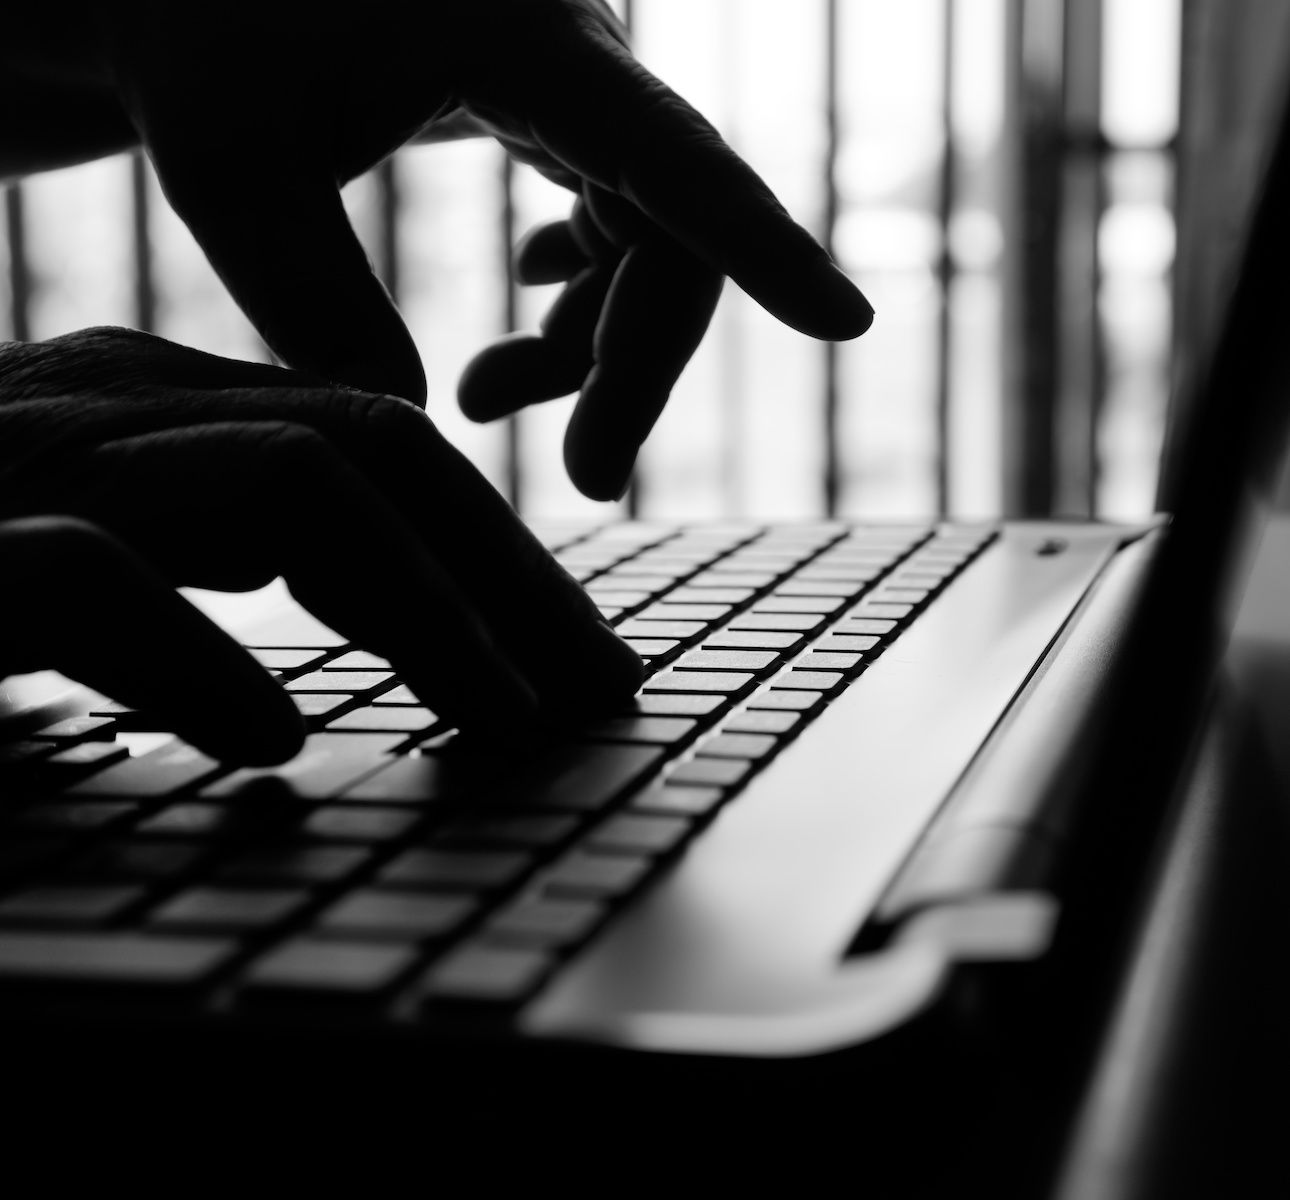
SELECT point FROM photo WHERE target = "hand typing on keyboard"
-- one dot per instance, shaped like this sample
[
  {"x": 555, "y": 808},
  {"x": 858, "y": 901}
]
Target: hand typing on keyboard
[
  {"x": 255, "y": 114},
  {"x": 164, "y": 466}
]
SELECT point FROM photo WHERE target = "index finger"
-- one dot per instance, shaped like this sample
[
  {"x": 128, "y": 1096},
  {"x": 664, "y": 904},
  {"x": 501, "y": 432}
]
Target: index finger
[{"x": 643, "y": 141}]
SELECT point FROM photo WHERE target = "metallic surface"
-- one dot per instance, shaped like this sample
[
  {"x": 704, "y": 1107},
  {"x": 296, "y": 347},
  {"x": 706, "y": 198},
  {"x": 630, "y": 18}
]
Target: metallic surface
[{"x": 738, "y": 949}]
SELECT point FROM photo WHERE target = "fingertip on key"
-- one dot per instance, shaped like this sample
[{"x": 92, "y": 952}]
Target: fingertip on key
[
  {"x": 603, "y": 673},
  {"x": 619, "y": 668},
  {"x": 257, "y": 739}
]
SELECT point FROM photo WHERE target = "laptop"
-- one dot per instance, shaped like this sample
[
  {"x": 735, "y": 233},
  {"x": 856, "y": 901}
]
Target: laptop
[{"x": 874, "y": 770}]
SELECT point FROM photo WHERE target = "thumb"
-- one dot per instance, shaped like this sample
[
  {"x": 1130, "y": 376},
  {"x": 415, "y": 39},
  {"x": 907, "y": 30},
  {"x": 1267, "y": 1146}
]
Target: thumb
[{"x": 276, "y": 232}]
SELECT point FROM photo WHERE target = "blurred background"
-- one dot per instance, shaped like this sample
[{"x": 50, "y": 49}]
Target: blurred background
[{"x": 1006, "y": 179}]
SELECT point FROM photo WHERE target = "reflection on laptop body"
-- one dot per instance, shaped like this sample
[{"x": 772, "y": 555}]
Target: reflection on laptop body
[{"x": 865, "y": 756}]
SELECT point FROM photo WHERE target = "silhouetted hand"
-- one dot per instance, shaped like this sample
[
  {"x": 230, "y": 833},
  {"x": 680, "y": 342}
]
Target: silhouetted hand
[
  {"x": 169, "y": 467},
  {"x": 255, "y": 113}
]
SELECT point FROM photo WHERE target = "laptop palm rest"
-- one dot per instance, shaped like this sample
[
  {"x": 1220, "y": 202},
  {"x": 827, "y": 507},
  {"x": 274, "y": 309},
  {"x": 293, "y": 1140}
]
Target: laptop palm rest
[{"x": 751, "y": 924}]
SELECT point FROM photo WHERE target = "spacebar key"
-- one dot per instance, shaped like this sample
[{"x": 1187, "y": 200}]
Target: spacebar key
[
  {"x": 110, "y": 960},
  {"x": 583, "y": 778}
]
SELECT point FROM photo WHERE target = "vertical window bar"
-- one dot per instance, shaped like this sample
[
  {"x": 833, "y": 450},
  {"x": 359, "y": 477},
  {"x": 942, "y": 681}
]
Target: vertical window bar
[
  {"x": 945, "y": 202},
  {"x": 1081, "y": 353},
  {"x": 145, "y": 294},
  {"x": 832, "y": 463},
  {"x": 512, "y": 472},
  {"x": 1033, "y": 108},
  {"x": 19, "y": 273}
]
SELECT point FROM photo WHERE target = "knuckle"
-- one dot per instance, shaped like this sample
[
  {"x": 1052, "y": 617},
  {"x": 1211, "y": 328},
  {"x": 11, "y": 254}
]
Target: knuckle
[
  {"x": 289, "y": 443},
  {"x": 58, "y": 534}
]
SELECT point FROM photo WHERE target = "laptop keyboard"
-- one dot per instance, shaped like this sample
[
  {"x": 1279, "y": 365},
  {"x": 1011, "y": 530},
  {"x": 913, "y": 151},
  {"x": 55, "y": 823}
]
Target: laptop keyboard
[{"x": 395, "y": 864}]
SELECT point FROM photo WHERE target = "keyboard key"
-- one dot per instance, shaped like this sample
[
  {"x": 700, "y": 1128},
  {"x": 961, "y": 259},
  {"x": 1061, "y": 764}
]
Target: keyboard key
[
  {"x": 292, "y": 863},
  {"x": 710, "y": 595},
  {"x": 455, "y": 870},
  {"x": 75, "y": 729},
  {"x": 781, "y": 699},
  {"x": 753, "y": 559},
  {"x": 893, "y": 612},
  {"x": 358, "y": 660},
  {"x": 484, "y": 974},
  {"x": 876, "y": 554},
  {"x": 402, "y": 915},
  {"x": 283, "y": 658},
  {"x": 67, "y": 905},
  {"x": 338, "y": 824},
  {"x": 329, "y": 763},
  {"x": 233, "y": 910},
  {"x": 736, "y": 579},
  {"x": 778, "y": 602},
  {"x": 352, "y": 682},
  {"x": 738, "y": 745},
  {"x": 742, "y": 564},
  {"x": 397, "y": 696},
  {"x": 618, "y": 598},
  {"x": 727, "y": 682},
  {"x": 673, "y": 799},
  {"x": 509, "y": 832},
  {"x": 710, "y": 772},
  {"x": 84, "y": 756},
  {"x": 167, "y": 769},
  {"x": 659, "y": 560},
  {"x": 811, "y": 586},
  {"x": 864, "y": 627},
  {"x": 810, "y": 681},
  {"x": 420, "y": 779},
  {"x": 661, "y": 731},
  {"x": 625, "y": 580},
  {"x": 845, "y": 643},
  {"x": 684, "y": 612},
  {"x": 727, "y": 660},
  {"x": 929, "y": 568},
  {"x": 53, "y": 816},
  {"x": 383, "y": 720},
  {"x": 191, "y": 819},
  {"x": 110, "y": 959},
  {"x": 545, "y": 922},
  {"x": 760, "y": 721},
  {"x": 678, "y": 704},
  {"x": 583, "y": 778},
  {"x": 683, "y": 631},
  {"x": 797, "y": 622},
  {"x": 829, "y": 660},
  {"x": 751, "y": 639},
  {"x": 928, "y": 578},
  {"x": 332, "y": 969},
  {"x": 653, "y": 647},
  {"x": 126, "y": 858},
  {"x": 894, "y": 595},
  {"x": 594, "y": 875},
  {"x": 121, "y": 714},
  {"x": 319, "y": 704},
  {"x": 634, "y": 833}
]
